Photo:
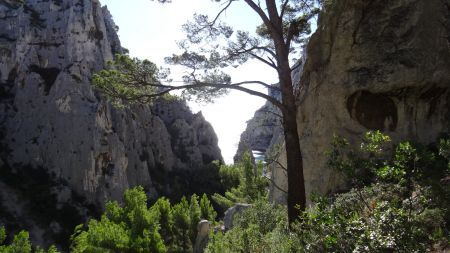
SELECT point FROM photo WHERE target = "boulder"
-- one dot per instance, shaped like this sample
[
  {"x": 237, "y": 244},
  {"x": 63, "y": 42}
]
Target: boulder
[
  {"x": 201, "y": 241},
  {"x": 231, "y": 212}
]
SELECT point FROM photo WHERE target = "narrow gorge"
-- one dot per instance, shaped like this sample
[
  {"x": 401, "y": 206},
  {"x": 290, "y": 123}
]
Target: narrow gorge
[
  {"x": 371, "y": 65},
  {"x": 372, "y": 76}
]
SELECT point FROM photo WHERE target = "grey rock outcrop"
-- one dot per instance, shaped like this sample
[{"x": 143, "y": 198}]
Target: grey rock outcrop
[
  {"x": 203, "y": 228},
  {"x": 52, "y": 119},
  {"x": 261, "y": 132},
  {"x": 231, "y": 212},
  {"x": 373, "y": 65}
]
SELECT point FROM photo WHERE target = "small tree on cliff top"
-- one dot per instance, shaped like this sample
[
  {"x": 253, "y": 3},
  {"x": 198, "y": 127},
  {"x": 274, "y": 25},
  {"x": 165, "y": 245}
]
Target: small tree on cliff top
[{"x": 284, "y": 26}]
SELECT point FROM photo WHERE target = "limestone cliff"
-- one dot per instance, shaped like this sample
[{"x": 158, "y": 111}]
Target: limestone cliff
[
  {"x": 372, "y": 65},
  {"x": 263, "y": 130},
  {"x": 53, "y": 122}
]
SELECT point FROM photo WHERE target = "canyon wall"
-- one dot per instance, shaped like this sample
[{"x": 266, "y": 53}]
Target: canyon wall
[
  {"x": 371, "y": 65},
  {"x": 57, "y": 132}
]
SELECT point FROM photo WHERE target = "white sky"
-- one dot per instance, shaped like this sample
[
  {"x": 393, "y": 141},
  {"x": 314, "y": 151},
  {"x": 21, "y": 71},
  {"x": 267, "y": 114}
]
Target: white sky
[{"x": 150, "y": 31}]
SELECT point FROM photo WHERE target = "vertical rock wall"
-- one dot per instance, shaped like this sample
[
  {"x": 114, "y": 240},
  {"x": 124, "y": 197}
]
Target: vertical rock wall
[
  {"x": 371, "y": 65},
  {"x": 51, "y": 118}
]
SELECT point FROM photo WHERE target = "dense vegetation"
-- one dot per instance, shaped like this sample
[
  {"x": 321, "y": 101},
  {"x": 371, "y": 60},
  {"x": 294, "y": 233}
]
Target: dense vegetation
[
  {"x": 133, "y": 227},
  {"x": 398, "y": 202},
  {"x": 245, "y": 183}
]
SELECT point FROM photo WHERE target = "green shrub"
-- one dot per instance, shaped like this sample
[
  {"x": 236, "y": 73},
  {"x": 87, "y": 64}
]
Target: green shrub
[
  {"x": 128, "y": 228},
  {"x": 398, "y": 203},
  {"x": 246, "y": 180},
  {"x": 20, "y": 244},
  {"x": 134, "y": 227},
  {"x": 253, "y": 231}
]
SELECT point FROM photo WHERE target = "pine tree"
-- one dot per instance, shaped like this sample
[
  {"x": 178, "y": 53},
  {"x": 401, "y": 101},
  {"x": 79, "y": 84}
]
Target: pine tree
[
  {"x": 163, "y": 211},
  {"x": 207, "y": 211},
  {"x": 131, "y": 228},
  {"x": 285, "y": 24},
  {"x": 181, "y": 227},
  {"x": 195, "y": 216}
]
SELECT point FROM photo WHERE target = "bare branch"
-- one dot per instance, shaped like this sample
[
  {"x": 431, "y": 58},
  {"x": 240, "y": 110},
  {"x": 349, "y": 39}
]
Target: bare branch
[
  {"x": 283, "y": 8},
  {"x": 165, "y": 89},
  {"x": 270, "y": 63},
  {"x": 271, "y": 60},
  {"x": 221, "y": 11},
  {"x": 266, "y": 49},
  {"x": 290, "y": 33},
  {"x": 276, "y": 21},
  {"x": 276, "y": 186},
  {"x": 270, "y": 161},
  {"x": 249, "y": 51},
  {"x": 268, "y": 86},
  {"x": 272, "y": 112},
  {"x": 260, "y": 12}
]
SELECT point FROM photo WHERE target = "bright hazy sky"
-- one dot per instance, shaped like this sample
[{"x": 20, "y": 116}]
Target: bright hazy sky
[{"x": 150, "y": 31}]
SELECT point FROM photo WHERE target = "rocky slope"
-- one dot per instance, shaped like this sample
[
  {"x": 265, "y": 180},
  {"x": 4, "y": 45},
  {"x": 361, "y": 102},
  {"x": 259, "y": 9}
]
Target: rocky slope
[
  {"x": 58, "y": 135},
  {"x": 372, "y": 65}
]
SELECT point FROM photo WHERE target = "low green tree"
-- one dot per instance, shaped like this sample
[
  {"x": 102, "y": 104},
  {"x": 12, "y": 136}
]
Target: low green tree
[
  {"x": 163, "y": 211},
  {"x": 207, "y": 210},
  {"x": 181, "y": 227},
  {"x": 252, "y": 184},
  {"x": 128, "y": 228},
  {"x": 195, "y": 216},
  {"x": 21, "y": 244}
]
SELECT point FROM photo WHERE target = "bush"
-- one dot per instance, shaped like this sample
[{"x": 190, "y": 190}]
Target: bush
[
  {"x": 246, "y": 180},
  {"x": 128, "y": 228},
  {"x": 20, "y": 244},
  {"x": 133, "y": 227},
  {"x": 258, "y": 229},
  {"x": 398, "y": 203}
]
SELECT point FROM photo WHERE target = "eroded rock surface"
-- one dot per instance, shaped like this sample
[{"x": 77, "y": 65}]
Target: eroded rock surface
[
  {"x": 51, "y": 118},
  {"x": 371, "y": 65},
  {"x": 263, "y": 129}
]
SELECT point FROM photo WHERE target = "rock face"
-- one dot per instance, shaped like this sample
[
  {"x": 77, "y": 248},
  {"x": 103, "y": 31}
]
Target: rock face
[
  {"x": 373, "y": 65},
  {"x": 52, "y": 120},
  {"x": 201, "y": 240},
  {"x": 262, "y": 131},
  {"x": 231, "y": 212}
]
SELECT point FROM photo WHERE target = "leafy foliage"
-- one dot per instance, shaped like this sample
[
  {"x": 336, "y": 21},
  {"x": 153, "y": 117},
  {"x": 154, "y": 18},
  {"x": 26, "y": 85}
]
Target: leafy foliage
[
  {"x": 402, "y": 208},
  {"x": 207, "y": 211},
  {"x": 255, "y": 230}
]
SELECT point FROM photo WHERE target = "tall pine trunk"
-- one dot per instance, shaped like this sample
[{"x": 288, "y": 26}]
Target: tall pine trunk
[{"x": 296, "y": 199}]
